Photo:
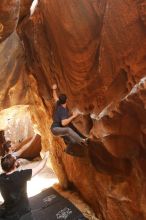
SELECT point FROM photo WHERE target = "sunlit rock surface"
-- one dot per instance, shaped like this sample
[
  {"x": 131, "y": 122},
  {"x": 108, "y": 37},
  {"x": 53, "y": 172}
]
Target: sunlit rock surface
[
  {"x": 95, "y": 51},
  {"x": 18, "y": 128}
]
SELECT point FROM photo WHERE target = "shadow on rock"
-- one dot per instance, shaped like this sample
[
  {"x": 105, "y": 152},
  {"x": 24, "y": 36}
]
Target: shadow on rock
[{"x": 106, "y": 163}]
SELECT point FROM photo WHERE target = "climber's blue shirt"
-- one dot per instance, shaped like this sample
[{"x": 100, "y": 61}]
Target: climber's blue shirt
[{"x": 60, "y": 114}]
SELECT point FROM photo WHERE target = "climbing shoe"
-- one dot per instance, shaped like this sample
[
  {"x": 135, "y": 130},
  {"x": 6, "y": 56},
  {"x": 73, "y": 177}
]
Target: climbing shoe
[{"x": 72, "y": 153}]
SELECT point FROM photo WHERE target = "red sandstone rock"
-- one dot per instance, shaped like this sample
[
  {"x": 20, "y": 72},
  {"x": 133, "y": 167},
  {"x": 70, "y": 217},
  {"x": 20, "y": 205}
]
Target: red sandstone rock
[
  {"x": 18, "y": 128},
  {"x": 8, "y": 17}
]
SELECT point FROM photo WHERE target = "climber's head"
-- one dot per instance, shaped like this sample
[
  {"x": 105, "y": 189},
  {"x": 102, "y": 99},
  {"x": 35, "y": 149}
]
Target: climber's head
[
  {"x": 62, "y": 99},
  {"x": 8, "y": 163}
]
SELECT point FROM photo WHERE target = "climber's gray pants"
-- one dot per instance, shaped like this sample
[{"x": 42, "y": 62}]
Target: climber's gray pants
[{"x": 67, "y": 131}]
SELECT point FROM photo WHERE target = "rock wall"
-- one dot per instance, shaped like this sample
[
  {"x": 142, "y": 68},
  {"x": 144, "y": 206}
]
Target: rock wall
[
  {"x": 95, "y": 51},
  {"x": 17, "y": 127}
]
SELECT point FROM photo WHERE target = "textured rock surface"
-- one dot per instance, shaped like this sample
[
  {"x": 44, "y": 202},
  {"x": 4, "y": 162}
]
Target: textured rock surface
[
  {"x": 95, "y": 51},
  {"x": 18, "y": 128}
]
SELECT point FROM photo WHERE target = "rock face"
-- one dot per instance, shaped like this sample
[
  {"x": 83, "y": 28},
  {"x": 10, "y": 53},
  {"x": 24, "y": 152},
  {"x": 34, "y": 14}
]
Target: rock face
[
  {"x": 16, "y": 126},
  {"x": 95, "y": 51}
]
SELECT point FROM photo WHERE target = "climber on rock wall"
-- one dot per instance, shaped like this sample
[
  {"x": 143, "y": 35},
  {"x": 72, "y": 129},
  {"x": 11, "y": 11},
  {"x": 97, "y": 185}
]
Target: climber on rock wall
[
  {"x": 62, "y": 119},
  {"x": 13, "y": 187}
]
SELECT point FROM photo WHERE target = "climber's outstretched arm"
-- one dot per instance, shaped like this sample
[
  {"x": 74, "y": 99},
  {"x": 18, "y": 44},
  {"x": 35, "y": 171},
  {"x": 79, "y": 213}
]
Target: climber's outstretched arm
[
  {"x": 25, "y": 147},
  {"x": 55, "y": 96},
  {"x": 67, "y": 121},
  {"x": 41, "y": 165}
]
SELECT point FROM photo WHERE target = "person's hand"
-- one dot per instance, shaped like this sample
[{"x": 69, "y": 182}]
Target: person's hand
[
  {"x": 54, "y": 86},
  {"x": 75, "y": 114},
  {"x": 46, "y": 155}
]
